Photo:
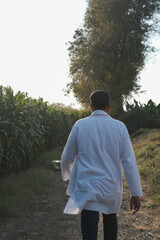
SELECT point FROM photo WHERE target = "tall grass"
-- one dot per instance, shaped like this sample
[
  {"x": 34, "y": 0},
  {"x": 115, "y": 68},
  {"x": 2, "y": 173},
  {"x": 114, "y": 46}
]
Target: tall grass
[
  {"x": 16, "y": 190},
  {"x": 147, "y": 149},
  {"x": 46, "y": 157}
]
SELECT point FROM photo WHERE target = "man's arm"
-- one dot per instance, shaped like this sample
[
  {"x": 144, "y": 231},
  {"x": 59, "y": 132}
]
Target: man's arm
[
  {"x": 68, "y": 155},
  {"x": 131, "y": 171}
]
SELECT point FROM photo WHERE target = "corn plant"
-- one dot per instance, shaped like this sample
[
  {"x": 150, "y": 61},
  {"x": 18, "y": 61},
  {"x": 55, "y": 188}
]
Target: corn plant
[{"x": 29, "y": 126}]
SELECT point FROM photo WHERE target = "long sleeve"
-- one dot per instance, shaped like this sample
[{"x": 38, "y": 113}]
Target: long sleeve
[
  {"x": 130, "y": 165},
  {"x": 69, "y": 155}
]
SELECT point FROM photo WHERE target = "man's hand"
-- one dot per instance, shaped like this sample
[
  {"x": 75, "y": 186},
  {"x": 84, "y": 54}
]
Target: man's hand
[{"x": 135, "y": 204}]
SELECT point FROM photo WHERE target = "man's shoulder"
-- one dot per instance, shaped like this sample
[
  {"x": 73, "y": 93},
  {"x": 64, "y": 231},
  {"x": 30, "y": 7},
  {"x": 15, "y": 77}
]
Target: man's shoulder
[
  {"x": 119, "y": 125},
  {"x": 82, "y": 120},
  {"x": 118, "y": 122}
]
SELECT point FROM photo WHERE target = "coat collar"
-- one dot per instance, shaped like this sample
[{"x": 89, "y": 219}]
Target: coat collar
[{"x": 99, "y": 113}]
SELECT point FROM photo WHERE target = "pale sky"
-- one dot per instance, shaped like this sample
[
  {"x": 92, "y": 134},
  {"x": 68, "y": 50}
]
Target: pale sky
[{"x": 33, "y": 51}]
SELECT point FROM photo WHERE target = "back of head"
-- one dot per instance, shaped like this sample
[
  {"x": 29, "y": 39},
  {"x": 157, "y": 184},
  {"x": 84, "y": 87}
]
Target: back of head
[{"x": 100, "y": 100}]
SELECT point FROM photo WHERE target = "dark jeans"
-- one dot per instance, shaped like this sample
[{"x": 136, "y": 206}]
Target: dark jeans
[{"x": 89, "y": 225}]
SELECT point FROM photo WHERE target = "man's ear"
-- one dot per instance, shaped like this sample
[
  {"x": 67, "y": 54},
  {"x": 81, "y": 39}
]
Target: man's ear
[{"x": 92, "y": 108}]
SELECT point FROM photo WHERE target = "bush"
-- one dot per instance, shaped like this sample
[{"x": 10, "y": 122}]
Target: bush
[{"x": 139, "y": 116}]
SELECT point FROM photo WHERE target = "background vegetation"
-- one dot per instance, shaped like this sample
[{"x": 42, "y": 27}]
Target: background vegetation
[
  {"x": 109, "y": 50},
  {"x": 28, "y": 127},
  {"x": 139, "y": 115}
]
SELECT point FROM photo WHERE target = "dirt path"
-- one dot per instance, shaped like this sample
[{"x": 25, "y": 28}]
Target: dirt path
[{"x": 43, "y": 220}]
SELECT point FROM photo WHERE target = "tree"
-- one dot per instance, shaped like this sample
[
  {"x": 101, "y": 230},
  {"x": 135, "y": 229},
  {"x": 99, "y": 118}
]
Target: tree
[{"x": 109, "y": 51}]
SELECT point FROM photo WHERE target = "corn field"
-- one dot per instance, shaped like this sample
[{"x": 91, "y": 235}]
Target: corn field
[{"x": 29, "y": 126}]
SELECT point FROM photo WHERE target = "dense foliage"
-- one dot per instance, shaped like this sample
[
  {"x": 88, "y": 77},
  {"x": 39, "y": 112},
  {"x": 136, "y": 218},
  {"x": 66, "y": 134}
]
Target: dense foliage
[
  {"x": 139, "y": 116},
  {"x": 28, "y": 126},
  {"x": 109, "y": 50}
]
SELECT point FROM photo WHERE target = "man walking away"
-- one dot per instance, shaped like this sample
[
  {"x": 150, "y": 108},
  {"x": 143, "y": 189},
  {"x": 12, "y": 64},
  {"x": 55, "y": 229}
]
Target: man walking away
[{"x": 97, "y": 150}]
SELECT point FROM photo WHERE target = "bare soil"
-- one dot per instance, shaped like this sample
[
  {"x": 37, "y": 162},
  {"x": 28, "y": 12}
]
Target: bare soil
[{"x": 44, "y": 218}]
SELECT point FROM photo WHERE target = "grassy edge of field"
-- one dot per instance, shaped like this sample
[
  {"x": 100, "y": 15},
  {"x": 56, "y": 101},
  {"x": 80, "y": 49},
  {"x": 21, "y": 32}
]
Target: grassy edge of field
[
  {"x": 146, "y": 143},
  {"x": 17, "y": 189}
]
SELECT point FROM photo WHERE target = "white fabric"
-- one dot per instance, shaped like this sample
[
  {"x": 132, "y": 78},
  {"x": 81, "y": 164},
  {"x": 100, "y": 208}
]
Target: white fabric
[{"x": 97, "y": 148}]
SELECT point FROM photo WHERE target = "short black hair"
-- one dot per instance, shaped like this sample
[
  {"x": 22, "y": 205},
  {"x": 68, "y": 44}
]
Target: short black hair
[{"x": 99, "y": 100}]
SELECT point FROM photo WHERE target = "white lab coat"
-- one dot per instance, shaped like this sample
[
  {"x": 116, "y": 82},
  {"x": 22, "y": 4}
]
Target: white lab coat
[{"x": 97, "y": 150}]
